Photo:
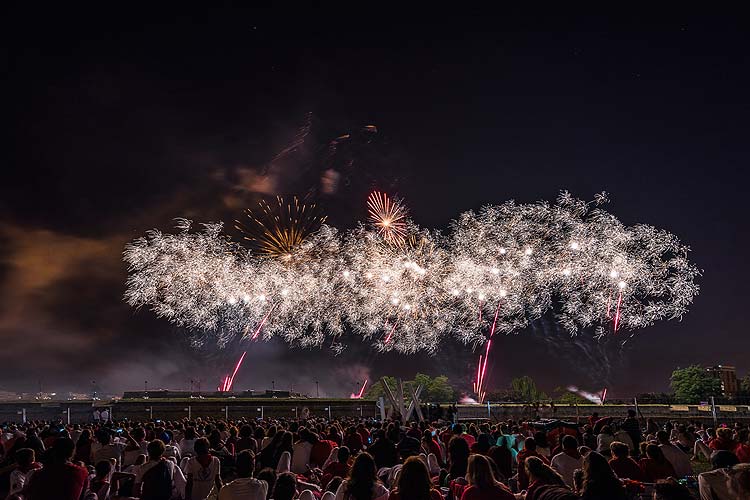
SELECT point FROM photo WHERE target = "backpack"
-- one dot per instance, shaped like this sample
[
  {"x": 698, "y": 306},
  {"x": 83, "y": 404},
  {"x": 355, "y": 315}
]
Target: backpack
[{"x": 157, "y": 483}]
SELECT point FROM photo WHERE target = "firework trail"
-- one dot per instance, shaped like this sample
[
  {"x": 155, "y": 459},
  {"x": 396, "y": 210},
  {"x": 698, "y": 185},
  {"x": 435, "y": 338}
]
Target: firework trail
[
  {"x": 228, "y": 381},
  {"x": 360, "y": 393}
]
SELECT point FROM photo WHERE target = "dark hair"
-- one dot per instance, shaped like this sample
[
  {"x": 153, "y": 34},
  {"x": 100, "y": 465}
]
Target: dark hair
[
  {"x": 62, "y": 450},
  {"x": 362, "y": 478},
  {"x": 540, "y": 438},
  {"x": 530, "y": 444},
  {"x": 479, "y": 473},
  {"x": 722, "y": 459},
  {"x": 662, "y": 437},
  {"x": 343, "y": 454},
  {"x": 619, "y": 449},
  {"x": 654, "y": 452},
  {"x": 599, "y": 481},
  {"x": 268, "y": 475},
  {"x": 245, "y": 463},
  {"x": 569, "y": 442},
  {"x": 414, "y": 480},
  {"x": 201, "y": 446},
  {"x": 535, "y": 467},
  {"x": 25, "y": 457},
  {"x": 286, "y": 486},
  {"x": 189, "y": 433},
  {"x": 103, "y": 468},
  {"x": 458, "y": 455},
  {"x": 155, "y": 449}
]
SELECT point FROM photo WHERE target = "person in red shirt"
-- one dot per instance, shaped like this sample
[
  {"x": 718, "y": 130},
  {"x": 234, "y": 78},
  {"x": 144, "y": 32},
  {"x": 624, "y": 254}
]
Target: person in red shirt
[
  {"x": 655, "y": 466},
  {"x": 320, "y": 451},
  {"x": 60, "y": 479},
  {"x": 529, "y": 450},
  {"x": 458, "y": 430},
  {"x": 482, "y": 482},
  {"x": 723, "y": 440},
  {"x": 339, "y": 468},
  {"x": 414, "y": 483},
  {"x": 353, "y": 440},
  {"x": 364, "y": 434},
  {"x": 743, "y": 446},
  {"x": 429, "y": 445},
  {"x": 622, "y": 465}
]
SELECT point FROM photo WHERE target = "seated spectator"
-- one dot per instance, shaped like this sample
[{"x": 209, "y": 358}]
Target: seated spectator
[
  {"x": 723, "y": 441},
  {"x": 286, "y": 487},
  {"x": 604, "y": 439},
  {"x": 25, "y": 466},
  {"x": 715, "y": 483},
  {"x": 599, "y": 482},
  {"x": 739, "y": 481},
  {"x": 269, "y": 476},
  {"x": 362, "y": 482},
  {"x": 482, "y": 483},
  {"x": 743, "y": 446},
  {"x": 339, "y": 467},
  {"x": 503, "y": 458},
  {"x": 622, "y": 464},
  {"x": 414, "y": 483},
  {"x": 59, "y": 479},
  {"x": 540, "y": 475},
  {"x": 678, "y": 458},
  {"x": 655, "y": 465},
  {"x": 202, "y": 471},
  {"x": 568, "y": 460},
  {"x": 302, "y": 449},
  {"x": 458, "y": 458},
  {"x": 245, "y": 487},
  {"x": 528, "y": 451},
  {"x": 158, "y": 475}
]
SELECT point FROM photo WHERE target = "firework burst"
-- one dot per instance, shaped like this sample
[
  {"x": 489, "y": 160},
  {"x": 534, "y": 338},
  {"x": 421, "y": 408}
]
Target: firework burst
[
  {"x": 278, "y": 230},
  {"x": 388, "y": 216}
]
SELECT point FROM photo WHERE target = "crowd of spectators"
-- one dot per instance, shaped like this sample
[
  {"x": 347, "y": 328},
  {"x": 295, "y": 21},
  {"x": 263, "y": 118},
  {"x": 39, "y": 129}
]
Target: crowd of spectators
[{"x": 366, "y": 459}]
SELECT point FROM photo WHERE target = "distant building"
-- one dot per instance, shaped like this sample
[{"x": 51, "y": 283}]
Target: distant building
[{"x": 728, "y": 377}]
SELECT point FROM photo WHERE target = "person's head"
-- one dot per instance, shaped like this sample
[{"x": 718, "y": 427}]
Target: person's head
[
  {"x": 654, "y": 452},
  {"x": 538, "y": 470},
  {"x": 245, "y": 463},
  {"x": 662, "y": 437},
  {"x": 269, "y": 476},
  {"x": 479, "y": 473},
  {"x": 103, "y": 468},
  {"x": 103, "y": 436},
  {"x": 530, "y": 444},
  {"x": 25, "y": 457},
  {"x": 619, "y": 449},
  {"x": 155, "y": 449},
  {"x": 597, "y": 474},
  {"x": 62, "y": 450},
  {"x": 569, "y": 443},
  {"x": 631, "y": 413},
  {"x": 201, "y": 446},
  {"x": 190, "y": 433},
  {"x": 669, "y": 489},
  {"x": 722, "y": 459},
  {"x": 724, "y": 433},
  {"x": 139, "y": 434},
  {"x": 343, "y": 454},
  {"x": 458, "y": 449},
  {"x": 286, "y": 486},
  {"x": 414, "y": 480},
  {"x": 457, "y": 429},
  {"x": 738, "y": 481},
  {"x": 362, "y": 477},
  {"x": 540, "y": 438}
]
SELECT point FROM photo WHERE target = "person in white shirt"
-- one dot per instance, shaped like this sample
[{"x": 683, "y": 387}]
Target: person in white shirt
[
  {"x": 155, "y": 451},
  {"x": 678, "y": 458},
  {"x": 714, "y": 485},
  {"x": 363, "y": 473},
  {"x": 24, "y": 469},
  {"x": 245, "y": 487},
  {"x": 203, "y": 472},
  {"x": 106, "y": 449},
  {"x": 568, "y": 461},
  {"x": 188, "y": 442},
  {"x": 604, "y": 439},
  {"x": 301, "y": 452}
]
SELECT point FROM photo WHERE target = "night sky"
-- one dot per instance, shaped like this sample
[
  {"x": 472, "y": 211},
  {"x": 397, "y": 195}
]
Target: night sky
[{"x": 119, "y": 122}]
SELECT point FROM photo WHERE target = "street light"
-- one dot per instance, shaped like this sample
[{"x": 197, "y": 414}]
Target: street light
[{"x": 317, "y": 390}]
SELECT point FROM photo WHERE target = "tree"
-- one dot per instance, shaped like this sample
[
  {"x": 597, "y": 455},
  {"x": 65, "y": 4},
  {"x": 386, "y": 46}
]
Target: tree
[
  {"x": 436, "y": 389},
  {"x": 694, "y": 384},
  {"x": 524, "y": 389}
]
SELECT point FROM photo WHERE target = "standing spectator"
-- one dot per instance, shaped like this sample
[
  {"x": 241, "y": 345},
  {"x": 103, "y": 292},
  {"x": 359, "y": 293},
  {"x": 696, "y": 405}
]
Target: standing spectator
[
  {"x": 482, "y": 482},
  {"x": 568, "y": 460},
  {"x": 604, "y": 440},
  {"x": 83, "y": 447},
  {"x": 59, "y": 479},
  {"x": 25, "y": 466},
  {"x": 203, "y": 472},
  {"x": 633, "y": 428},
  {"x": 158, "y": 476}
]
